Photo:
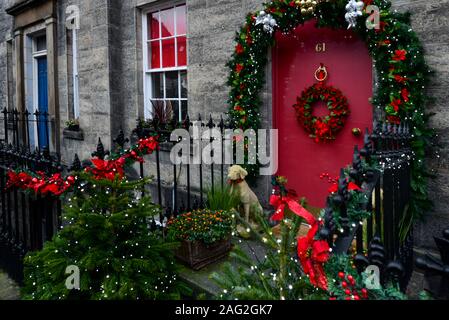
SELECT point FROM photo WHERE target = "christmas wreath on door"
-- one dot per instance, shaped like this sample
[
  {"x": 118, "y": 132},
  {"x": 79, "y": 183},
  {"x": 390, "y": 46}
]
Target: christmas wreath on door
[{"x": 325, "y": 128}]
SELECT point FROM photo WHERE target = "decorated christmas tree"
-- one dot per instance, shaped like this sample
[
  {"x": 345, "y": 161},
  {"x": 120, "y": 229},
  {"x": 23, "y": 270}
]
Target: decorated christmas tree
[{"x": 109, "y": 236}]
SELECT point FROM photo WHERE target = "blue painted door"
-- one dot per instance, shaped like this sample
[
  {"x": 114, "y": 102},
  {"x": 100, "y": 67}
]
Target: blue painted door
[{"x": 42, "y": 100}]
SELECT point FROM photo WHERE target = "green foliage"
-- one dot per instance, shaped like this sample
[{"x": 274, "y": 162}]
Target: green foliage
[
  {"x": 338, "y": 265},
  {"x": 355, "y": 207},
  {"x": 247, "y": 280},
  {"x": 222, "y": 198},
  {"x": 106, "y": 234},
  {"x": 205, "y": 225},
  {"x": 278, "y": 276},
  {"x": 424, "y": 295}
]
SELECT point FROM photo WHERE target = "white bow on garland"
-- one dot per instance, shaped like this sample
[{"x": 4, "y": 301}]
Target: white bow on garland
[
  {"x": 267, "y": 20},
  {"x": 353, "y": 11}
]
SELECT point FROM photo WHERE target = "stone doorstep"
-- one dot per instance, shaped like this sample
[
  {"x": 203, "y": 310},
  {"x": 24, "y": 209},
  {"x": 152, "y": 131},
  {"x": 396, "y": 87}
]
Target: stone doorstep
[{"x": 199, "y": 280}]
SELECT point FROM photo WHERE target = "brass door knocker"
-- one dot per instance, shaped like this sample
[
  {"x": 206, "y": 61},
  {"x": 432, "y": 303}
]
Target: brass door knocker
[{"x": 321, "y": 73}]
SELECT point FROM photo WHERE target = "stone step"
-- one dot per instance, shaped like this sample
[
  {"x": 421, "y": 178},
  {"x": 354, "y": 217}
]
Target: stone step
[{"x": 199, "y": 280}]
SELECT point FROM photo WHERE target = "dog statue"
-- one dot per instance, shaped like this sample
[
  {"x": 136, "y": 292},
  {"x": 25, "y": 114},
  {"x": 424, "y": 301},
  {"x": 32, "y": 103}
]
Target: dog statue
[{"x": 250, "y": 203}]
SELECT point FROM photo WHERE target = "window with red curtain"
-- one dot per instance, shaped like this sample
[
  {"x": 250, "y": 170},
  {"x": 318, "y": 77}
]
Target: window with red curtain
[{"x": 166, "y": 65}]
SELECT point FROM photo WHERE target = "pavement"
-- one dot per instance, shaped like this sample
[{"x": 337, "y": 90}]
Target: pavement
[{"x": 9, "y": 290}]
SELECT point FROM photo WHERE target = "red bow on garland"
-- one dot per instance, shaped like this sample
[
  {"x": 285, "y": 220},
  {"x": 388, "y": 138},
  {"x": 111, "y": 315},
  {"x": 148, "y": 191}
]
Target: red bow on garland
[
  {"x": 54, "y": 185},
  {"x": 102, "y": 169},
  {"x": 148, "y": 145},
  {"x": 107, "y": 169},
  {"x": 280, "y": 202},
  {"x": 351, "y": 187},
  {"x": 20, "y": 180},
  {"x": 312, "y": 255}
]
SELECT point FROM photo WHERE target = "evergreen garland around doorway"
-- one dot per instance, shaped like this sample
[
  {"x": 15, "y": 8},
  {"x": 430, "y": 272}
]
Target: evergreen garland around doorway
[{"x": 397, "y": 54}]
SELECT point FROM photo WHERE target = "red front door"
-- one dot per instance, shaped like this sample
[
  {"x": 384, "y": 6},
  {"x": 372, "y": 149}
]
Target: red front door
[{"x": 295, "y": 59}]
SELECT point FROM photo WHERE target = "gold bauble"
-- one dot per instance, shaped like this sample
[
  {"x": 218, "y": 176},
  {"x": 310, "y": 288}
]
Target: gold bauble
[
  {"x": 303, "y": 11},
  {"x": 310, "y": 9}
]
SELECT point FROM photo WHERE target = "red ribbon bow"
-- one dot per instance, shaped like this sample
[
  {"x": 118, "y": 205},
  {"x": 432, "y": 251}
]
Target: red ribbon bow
[
  {"x": 280, "y": 202},
  {"x": 351, "y": 187},
  {"x": 107, "y": 169},
  {"x": 312, "y": 255},
  {"x": 148, "y": 145}
]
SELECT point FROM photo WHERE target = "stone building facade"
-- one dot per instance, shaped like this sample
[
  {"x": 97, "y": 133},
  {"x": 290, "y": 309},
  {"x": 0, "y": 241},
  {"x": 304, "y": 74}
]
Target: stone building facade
[{"x": 106, "y": 87}]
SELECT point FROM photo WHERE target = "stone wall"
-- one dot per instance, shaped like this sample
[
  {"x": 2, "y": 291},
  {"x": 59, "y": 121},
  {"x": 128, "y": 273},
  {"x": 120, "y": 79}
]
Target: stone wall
[
  {"x": 94, "y": 69},
  {"x": 430, "y": 20},
  {"x": 6, "y": 22}
]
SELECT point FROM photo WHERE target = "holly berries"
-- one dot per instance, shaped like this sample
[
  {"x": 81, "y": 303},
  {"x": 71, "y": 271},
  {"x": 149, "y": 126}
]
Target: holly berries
[
  {"x": 349, "y": 286},
  {"x": 364, "y": 293}
]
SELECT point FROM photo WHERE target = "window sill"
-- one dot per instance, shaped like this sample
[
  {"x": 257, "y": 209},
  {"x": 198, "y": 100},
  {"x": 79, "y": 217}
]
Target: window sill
[{"x": 73, "y": 135}]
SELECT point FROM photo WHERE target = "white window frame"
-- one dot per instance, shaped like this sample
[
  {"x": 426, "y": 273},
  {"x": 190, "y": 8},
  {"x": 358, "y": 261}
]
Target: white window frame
[
  {"x": 147, "y": 71},
  {"x": 35, "y": 55}
]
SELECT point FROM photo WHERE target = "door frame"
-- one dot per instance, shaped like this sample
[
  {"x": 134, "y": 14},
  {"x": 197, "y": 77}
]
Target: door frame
[{"x": 35, "y": 56}]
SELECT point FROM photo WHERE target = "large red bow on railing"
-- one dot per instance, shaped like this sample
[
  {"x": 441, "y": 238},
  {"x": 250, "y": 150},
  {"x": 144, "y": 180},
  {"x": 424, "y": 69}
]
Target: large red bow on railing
[
  {"x": 313, "y": 254},
  {"x": 281, "y": 202}
]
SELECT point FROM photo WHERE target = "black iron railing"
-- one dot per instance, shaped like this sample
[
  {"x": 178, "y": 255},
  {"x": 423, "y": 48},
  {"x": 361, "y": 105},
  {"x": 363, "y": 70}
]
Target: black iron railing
[
  {"x": 27, "y": 130},
  {"x": 26, "y": 221},
  {"x": 382, "y": 167},
  {"x": 187, "y": 191},
  {"x": 384, "y": 239}
]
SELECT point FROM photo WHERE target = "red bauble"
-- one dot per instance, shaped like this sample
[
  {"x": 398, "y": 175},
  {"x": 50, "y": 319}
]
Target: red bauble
[{"x": 341, "y": 275}]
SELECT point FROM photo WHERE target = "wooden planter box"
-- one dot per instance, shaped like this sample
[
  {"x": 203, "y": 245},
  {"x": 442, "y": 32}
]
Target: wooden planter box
[{"x": 197, "y": 255}]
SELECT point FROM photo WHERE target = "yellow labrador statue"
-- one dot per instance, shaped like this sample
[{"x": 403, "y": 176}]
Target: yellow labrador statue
[{"x": 248, "y": 198}]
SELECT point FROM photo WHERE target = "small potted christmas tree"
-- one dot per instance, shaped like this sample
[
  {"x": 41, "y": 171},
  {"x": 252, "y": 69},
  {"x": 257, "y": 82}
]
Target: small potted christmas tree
[{"x": 205, "y": 236}]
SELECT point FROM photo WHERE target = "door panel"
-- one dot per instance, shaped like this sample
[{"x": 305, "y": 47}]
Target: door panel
[
  {"x": 42, "y": 98},
  {"x": 295, "y": 59}
]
